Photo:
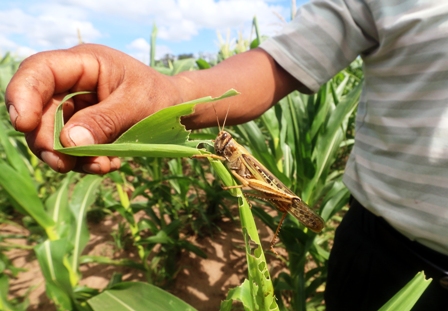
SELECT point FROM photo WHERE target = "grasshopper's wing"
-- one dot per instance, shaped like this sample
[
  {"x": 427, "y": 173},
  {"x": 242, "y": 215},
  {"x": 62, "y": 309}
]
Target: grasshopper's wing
[
  {"x": 295, "y": 207},
  {"x": 306, "y": 215},
  {"x": 262, "y": 173}
]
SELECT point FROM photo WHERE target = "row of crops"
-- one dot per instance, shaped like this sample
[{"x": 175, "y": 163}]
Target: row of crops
[{"x": 304, "y": 140}]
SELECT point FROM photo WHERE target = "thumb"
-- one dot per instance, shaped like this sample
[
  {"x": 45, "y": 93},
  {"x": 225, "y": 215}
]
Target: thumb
[
  {"x": 143, "y": 92},
  {"x": 98, "y": 124}
]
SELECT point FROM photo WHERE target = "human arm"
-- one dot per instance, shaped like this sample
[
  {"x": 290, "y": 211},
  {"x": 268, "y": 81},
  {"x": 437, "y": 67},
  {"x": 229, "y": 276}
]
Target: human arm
[{"x": 127, "y": 91}]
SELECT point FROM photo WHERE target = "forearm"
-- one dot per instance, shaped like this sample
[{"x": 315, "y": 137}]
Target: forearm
[
  {"x": 126, "y": 91},
  {"x": 259, "y": 79}
]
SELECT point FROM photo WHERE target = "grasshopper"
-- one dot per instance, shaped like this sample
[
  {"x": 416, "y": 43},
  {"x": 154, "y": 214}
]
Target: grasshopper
[{"x": 251, "y": 173}]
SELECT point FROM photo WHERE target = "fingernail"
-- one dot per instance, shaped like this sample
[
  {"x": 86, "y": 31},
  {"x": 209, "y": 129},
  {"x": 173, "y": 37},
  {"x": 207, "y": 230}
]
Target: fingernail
[
  {"x": 13, "y": 115},
  {"x": 51, "y": 159},
  {"x": 80, "y": 136}
]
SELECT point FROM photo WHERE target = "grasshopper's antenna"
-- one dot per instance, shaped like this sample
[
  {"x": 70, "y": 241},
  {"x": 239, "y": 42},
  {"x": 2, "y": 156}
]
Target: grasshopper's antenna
[
  {"x": 225, "y": 118},
  {"x": 217, "y": 119}
]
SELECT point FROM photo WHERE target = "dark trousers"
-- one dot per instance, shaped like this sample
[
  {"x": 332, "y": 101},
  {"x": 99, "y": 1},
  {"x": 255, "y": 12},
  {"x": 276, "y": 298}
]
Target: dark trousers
[{"x": 370, "y": 262}]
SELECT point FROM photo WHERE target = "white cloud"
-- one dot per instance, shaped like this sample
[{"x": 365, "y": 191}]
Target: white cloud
[
  {"x": 7, "y": 45},
  {"x": 52, "y": 24},
  {"x": 44, "y": 30},
  {"x": 181, "y": 19},
  {"x": 23, "y": 51},
  {"x": 14, "y": 21},
  {"x": 178, "y": 31},
  {"x": 131, "y": 9},
  {"x": 53, "y": 31}
]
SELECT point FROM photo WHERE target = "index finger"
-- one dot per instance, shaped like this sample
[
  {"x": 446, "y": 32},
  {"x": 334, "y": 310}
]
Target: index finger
[{"x": 43, "y": 75}]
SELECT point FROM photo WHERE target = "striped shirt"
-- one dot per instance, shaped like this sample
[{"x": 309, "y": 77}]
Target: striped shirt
[{"x": 398, "y": 168}]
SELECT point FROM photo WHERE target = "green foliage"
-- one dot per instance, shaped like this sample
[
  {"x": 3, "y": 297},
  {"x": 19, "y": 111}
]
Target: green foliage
[
  {"x": 303, "y": 141},
  {"x": 8, "y": 66},
  {"x": 5, "y": 303},
  {"x": 137, "y": 296},
  {"x": 405, "y": 299},
  {"x": 137, "y": 141},
  {"x": 256, "y": 293},
  {"x": 299, "y": 141},
  {"x": 167, "y": 234}
]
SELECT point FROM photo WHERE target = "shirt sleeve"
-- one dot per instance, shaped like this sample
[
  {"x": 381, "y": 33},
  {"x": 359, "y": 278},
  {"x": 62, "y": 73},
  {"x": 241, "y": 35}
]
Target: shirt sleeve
[{"x": 324, "y": 37}]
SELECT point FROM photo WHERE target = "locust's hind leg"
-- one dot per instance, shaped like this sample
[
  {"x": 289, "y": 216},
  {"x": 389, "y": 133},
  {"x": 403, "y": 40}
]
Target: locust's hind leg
[{"x": 274, "y": 239}]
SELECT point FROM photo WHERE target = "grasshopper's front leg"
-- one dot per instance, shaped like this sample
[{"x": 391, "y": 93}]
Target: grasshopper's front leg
[
  {"x": 213, "y": 156},
  {"x": 244, "y": 182}
]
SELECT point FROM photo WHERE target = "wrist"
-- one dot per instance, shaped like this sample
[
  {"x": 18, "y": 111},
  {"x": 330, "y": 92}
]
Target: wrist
[{"x": 185, "y": 86}]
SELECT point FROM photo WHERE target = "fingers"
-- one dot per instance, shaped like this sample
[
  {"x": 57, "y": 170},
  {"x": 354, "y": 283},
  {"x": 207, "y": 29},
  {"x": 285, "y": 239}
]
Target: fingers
[
  {"x": 41, "y": 143},
  {"x": 97, "y": 165},
  {"x": 43, "y": 75},
  {"x": 125, "y": 91},
  {"x": 141, "y": 92},
  {"x": 97, "y": 124},
  {"x": 41, "y": 139}
]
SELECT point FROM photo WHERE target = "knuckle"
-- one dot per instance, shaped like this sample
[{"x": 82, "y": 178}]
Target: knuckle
[{"x": 107, "y": 125}]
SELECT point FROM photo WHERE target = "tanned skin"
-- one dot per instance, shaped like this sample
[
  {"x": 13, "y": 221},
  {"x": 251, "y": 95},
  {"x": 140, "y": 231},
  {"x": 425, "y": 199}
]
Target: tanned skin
[{"x": 126, "y": 91}]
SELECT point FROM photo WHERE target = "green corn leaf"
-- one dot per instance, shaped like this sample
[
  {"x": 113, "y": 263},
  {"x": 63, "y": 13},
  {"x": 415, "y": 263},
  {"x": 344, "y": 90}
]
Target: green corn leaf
[
  {"x": 322, "y": 105},
  {"x": 114, "y": 262},
  {"x": 59, "y": 119},
  {"x": 329, "y": 141},
  {"x": 181, "y": 65},
  {"x": 202, "y": 64},
  {"x": 152, "y": 52},
  {"x": 13, "y": 156},
  {"x": 406, "y": 298},
  {"x": 335, "y": 199},
  {"x": 83, "y": 196},
  {"x": 136, "y": 296},
  {"x": 20, "y": 186},
  {"x": 57, "y": 207},
  {"x": 51, "y": 257},
  {"x": 21, "y": 190},
  {"x": 241, "y": 293},
  {"x": 5, "y": 304},
  {"x": 261, "y": 293},
  {"x": 141, "y": 139}
]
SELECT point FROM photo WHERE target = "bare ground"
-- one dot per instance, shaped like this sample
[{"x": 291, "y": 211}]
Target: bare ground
[{"x": 203, "y": 283}]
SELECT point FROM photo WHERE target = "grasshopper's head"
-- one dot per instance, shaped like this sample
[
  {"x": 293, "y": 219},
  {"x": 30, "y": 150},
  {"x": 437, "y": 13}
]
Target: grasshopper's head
[{"x": 221, "y": 142}]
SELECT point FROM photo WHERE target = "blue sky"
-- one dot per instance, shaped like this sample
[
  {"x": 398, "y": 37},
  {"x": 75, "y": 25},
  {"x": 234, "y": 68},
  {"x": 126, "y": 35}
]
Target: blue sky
[{"x": 184, "y": 26}]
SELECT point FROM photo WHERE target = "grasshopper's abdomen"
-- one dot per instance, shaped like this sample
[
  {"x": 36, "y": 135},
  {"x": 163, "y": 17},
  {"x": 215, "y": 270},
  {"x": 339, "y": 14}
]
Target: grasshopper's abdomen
[{"x": 306, "y": 216}]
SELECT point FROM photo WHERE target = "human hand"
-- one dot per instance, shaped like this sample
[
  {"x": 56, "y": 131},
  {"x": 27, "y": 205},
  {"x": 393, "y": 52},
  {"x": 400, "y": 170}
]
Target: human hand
[{"x": 125, "y": 91}]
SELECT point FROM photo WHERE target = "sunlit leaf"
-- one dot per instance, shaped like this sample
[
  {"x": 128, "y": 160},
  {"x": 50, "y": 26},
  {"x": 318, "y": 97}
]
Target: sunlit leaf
[
  {"x": 136, "y": 296},
  {"x": 51, "y": 256},
  {"x": 159, "y": 135},
  {"x": 83, "y": 196},
  {"x": 21, "y": 190},
  {"x": 406, "y": 298},
  {"x": 261, "y": 293},
  {"x": 57, "y": 207}
]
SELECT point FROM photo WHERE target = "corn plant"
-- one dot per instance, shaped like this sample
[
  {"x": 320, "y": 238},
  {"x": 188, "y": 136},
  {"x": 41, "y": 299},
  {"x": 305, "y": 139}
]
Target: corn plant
[
  {"x": 304, "y": 135},
  {"x": 63, "y": 223},
  {"x": 299, "y": 140},
  {"x": 257, "y": 291},
  {"x": 7, "y": 270},
  {"x": 62, "y": 217}
]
